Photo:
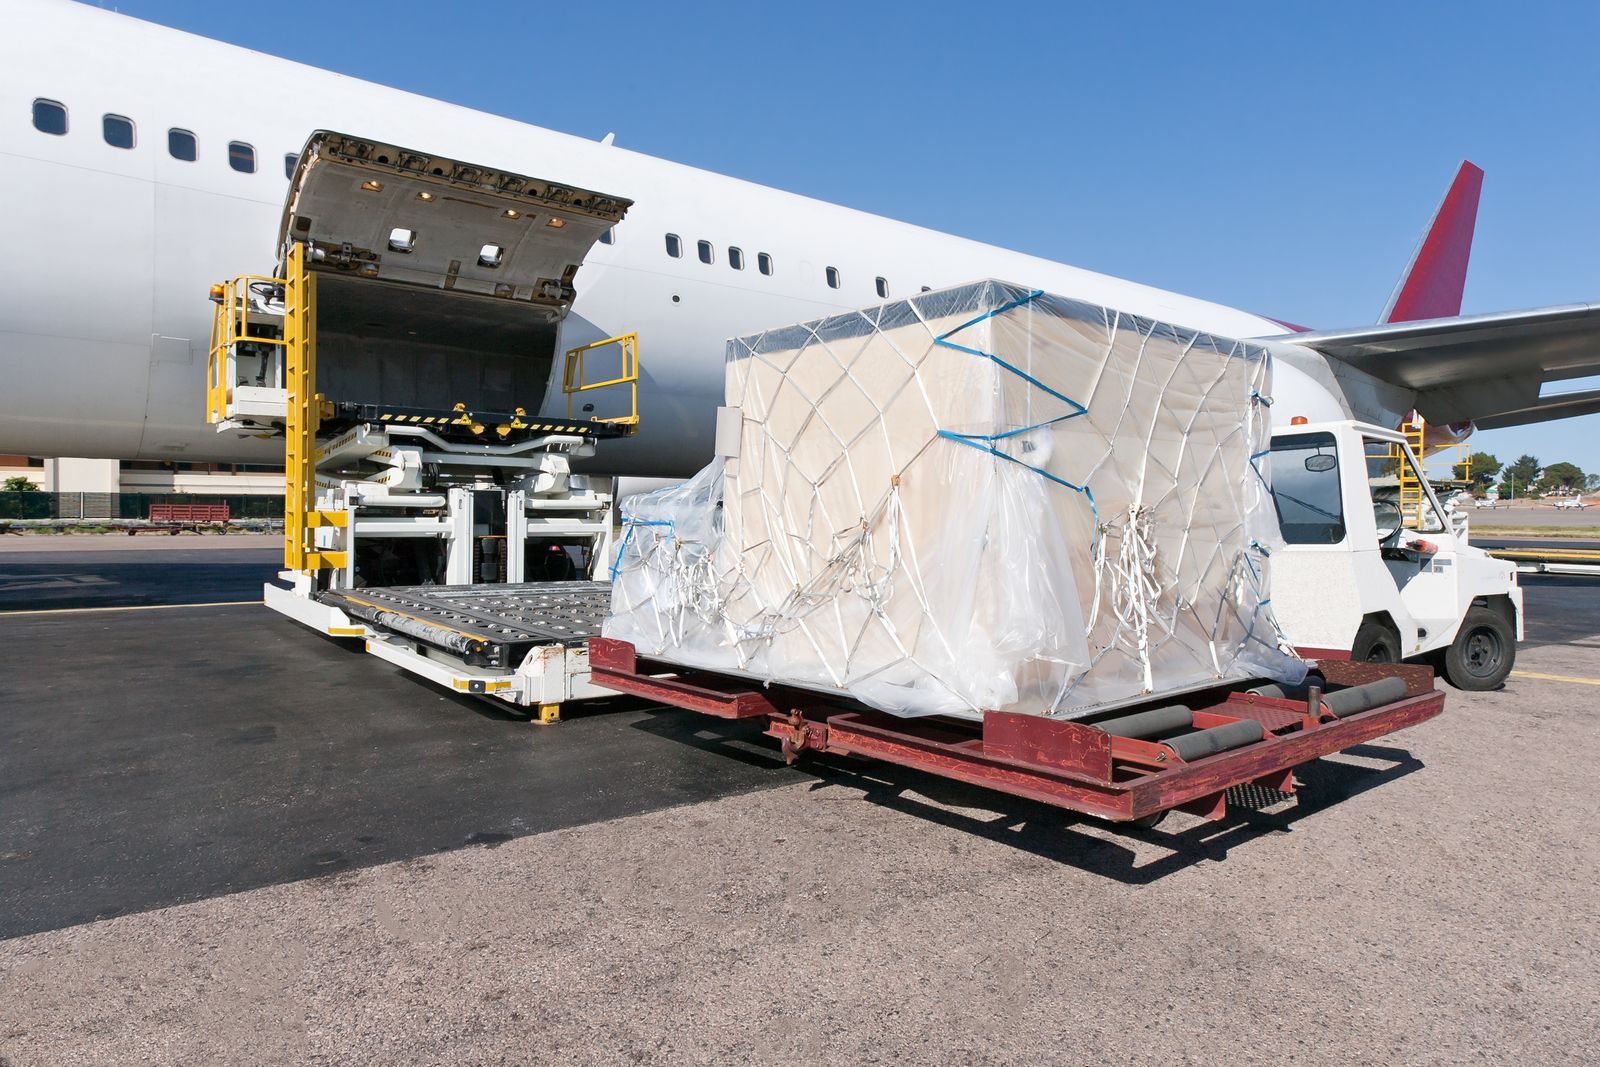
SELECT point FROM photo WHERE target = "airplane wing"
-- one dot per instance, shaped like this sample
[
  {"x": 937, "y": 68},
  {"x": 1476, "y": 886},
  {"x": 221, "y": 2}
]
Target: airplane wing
[
  {"x": 1487, "y": 369},
  {"x": 1483, "y": 369}
]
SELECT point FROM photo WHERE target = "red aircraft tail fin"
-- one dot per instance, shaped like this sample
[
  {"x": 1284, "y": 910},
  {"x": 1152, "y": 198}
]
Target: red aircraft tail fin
[{"x": 1433, "y": 281}]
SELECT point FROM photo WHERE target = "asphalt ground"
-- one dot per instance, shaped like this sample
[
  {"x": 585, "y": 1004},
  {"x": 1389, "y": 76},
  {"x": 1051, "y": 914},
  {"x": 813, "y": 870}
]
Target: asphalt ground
[
  {"x": 105, "y": 570},
  {"x": 155, "y": 754},
  {"x": 311, "y": 859},
  {"x": 1536, "y": 515}
]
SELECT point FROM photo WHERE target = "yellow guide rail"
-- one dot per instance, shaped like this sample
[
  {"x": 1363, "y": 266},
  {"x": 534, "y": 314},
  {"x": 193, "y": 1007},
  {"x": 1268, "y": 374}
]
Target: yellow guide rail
[{"x": 573, "y": 380}]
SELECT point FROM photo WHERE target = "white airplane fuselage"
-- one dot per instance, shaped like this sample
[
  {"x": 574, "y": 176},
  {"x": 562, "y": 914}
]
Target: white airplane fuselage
[{"x": 103, "y": 330}]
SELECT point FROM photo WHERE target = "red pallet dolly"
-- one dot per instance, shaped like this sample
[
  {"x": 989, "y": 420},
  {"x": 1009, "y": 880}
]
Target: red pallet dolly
[{"x": 1130, "y": 765}]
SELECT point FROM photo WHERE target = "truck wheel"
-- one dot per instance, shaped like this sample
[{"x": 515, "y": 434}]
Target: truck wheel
[
  {"x": 1483, "y": 652},
  {"x": 1375, "y": 643}
]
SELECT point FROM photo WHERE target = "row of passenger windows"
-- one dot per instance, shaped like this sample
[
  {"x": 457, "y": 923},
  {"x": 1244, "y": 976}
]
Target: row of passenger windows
[
  {"x": 50, "y": 116},
  {"x": 707, "y": 254}
]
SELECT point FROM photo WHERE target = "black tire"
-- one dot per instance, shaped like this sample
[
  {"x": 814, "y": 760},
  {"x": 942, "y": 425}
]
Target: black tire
[
  {"x": 1483, "y": 653},
  {"x": 1375, "y": 643}
]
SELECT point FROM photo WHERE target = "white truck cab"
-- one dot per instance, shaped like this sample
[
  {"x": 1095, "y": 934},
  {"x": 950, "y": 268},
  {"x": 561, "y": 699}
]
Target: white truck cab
[{"x": 1374, "y": 568}]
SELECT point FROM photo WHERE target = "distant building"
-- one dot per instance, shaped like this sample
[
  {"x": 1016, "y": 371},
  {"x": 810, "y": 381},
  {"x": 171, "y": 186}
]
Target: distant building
[{"x": 114, "y": 477}]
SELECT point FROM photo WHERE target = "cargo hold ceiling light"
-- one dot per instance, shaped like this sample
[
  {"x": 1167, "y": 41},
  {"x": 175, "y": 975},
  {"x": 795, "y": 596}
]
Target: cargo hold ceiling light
[
  {"x": 513, "y": 213},
  {"x": 425, "y": 196},
  {"x": 372, "y": 185},
  {"x": 555, "y": 224},
  {"x": 402, "y": 240}
]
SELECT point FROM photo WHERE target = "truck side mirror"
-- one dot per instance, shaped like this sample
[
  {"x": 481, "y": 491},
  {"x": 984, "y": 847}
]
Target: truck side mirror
[{"x": 1321, "y": 462}]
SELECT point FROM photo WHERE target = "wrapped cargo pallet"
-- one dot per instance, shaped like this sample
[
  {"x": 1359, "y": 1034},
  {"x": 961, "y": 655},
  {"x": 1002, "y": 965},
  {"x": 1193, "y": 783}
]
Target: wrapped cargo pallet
[{"x": 981, "y": 498}]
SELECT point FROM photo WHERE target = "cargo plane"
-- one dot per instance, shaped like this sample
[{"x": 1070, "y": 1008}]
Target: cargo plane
[{"x": 140, "y": 167}]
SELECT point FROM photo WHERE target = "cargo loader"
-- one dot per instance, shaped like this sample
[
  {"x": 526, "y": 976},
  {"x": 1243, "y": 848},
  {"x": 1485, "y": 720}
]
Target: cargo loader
[{"x": 411, "y": 350}]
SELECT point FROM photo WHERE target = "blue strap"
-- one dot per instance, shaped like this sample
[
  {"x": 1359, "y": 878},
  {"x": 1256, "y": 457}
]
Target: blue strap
[
  {"x": 985, "y": 442},
  {"x": 630, "y": 523},
  {"x": 1264, "y": 484},
  {"x": 972, "y": 441},
  {"x": 944, "y": 341}
]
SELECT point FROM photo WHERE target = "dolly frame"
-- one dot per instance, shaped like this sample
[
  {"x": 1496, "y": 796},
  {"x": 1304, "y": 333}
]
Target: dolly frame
[{"x": 1073, "y": 765}]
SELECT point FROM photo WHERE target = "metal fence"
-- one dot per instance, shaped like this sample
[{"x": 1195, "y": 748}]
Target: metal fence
[{"x": 91, "y": 506}]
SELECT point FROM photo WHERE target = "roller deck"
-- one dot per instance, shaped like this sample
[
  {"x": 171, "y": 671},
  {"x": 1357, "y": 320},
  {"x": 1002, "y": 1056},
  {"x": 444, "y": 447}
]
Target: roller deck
[
  {"x": 486, "y": 625},
  {"x": 1079, "y": 765}
]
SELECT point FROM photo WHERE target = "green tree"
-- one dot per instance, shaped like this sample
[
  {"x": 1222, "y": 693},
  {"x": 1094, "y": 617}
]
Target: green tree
[
  {"x": 1591, "y": 482},
  {"x": 1520, "y": 475},
  {"x": 1484, "y": 468},
  {"x": 19, "y": 484},
  {"x": 1560, "y": 476}
]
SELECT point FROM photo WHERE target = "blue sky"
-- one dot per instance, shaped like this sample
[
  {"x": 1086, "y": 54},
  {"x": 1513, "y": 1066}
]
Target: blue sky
[{"x": 1278, "y": 157}]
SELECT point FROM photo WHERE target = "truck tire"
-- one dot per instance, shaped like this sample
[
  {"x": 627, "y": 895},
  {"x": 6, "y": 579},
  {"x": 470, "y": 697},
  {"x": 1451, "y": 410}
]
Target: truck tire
[
  {"x": 1375, "y": 643},
  {"x": 1483, "y": 652}
]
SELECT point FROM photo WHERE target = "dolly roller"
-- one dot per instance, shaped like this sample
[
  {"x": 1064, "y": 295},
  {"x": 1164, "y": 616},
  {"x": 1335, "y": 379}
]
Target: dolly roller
[
  {"x": 1174, "y": 726},
  {"x": 1343, "y": 702},
  {"x": 1145, "y": 725}
]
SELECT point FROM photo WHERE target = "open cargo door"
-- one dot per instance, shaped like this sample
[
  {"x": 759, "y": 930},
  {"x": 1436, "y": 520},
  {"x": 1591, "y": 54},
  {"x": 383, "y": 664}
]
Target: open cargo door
[
  {"x": 406, "y": 217},
  {"x": 438, "y": 282}
]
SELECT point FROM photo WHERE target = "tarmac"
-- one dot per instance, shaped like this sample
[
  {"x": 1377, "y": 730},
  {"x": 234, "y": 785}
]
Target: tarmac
[{"x": 224, "y": 839}]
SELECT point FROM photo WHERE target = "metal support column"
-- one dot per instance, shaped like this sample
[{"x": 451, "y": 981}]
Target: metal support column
[
  {"x": 458, "y": 565},
  {"x": 516, "y": 535}
]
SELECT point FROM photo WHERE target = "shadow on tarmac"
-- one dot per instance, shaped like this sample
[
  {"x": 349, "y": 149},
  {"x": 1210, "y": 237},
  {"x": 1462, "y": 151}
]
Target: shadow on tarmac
[{"x": 1066, "y": 837}]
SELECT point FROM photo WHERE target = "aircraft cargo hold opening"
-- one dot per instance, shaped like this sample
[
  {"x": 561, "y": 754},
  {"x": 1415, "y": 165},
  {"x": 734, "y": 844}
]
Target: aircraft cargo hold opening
[
  {"x": 399, "y": 346},
  {"x": 409, "y": 350}
]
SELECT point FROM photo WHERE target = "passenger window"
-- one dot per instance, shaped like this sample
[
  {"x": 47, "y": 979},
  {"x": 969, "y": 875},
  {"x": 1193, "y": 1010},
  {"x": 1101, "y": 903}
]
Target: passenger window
[
  {"x": 1305, "y": 489},
  {"x": 883, "y": 288},
  {"x": 182, "y": 145},
  {"x": 832, "y": 274},
  {"x": 704, "y": 248},
  {"x": 49, "y": 117},
  {"x": 117, "y": 130},
  {"x": 241, "y": 157},
  {"x": 607, "y": 237},
  {"x": 289, "y": 161},
  {"x": 674, "y": 246},
  {"x": 764, "y": 263},
  {"x": 735, "y": 258}
]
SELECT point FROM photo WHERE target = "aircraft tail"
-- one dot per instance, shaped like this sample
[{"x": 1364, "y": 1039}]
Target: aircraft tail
[{"x": 1431, "y": 286}]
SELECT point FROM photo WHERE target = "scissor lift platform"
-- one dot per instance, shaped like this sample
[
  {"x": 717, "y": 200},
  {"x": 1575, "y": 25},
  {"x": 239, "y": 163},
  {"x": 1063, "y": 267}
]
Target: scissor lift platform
[{"x": 523, "y": 643}]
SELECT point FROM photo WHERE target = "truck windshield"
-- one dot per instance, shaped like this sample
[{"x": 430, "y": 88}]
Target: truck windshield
[{"x": 1305, "y": 489}]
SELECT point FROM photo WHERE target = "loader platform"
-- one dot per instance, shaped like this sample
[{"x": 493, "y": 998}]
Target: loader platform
[{"x": 485, "y": 625}]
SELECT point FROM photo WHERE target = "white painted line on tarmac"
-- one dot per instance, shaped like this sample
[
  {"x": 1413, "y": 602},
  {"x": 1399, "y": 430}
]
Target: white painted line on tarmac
[{"x": 141, "y": 607}]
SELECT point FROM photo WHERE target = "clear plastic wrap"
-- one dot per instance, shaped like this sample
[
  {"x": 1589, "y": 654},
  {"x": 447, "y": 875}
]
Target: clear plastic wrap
[{"x": 985, "y": 497}]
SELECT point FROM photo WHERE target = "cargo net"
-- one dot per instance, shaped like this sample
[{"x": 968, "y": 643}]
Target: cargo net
[{"x": 979, "y": 498}]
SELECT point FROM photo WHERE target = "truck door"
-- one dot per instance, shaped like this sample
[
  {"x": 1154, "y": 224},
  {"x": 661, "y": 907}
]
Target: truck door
[
  {"x": 1415, "y": 544},
  {"x": 1328, "y": 556}
]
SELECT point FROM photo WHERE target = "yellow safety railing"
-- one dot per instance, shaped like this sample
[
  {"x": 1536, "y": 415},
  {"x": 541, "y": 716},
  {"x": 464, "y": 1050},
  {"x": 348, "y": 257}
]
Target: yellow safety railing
[
  {"x": 231, "y": 322},
  {"x": 573, "y": 380},
  {"x": 1412, "y": 493}
]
